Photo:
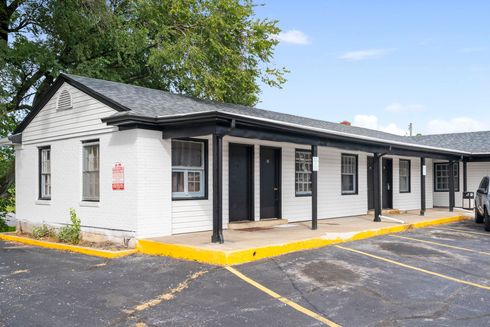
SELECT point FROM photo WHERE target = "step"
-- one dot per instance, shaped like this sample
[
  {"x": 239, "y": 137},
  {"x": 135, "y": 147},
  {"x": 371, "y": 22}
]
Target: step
[{"x": 263, "y": 223}]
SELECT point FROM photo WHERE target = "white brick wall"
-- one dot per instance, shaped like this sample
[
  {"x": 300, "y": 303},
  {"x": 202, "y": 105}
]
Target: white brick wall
[{"x": 116, "y": 209}]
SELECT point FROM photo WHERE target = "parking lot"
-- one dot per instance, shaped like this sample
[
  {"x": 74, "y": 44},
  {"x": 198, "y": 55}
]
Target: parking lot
[{"x": 433, "y": 276}]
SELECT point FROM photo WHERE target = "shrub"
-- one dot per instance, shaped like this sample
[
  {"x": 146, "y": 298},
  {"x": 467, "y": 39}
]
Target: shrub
[
  {"x": 71, "y": 233},
  {"x": 42, "y": 231}
]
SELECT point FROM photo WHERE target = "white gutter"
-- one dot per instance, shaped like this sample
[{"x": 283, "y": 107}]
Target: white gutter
[
  {"x": 392, "y": 219},
  {"x": 361, "y": 137}
]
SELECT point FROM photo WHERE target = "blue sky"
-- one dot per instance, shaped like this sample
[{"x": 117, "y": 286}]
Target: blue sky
[{"x": 384, "y": 64}]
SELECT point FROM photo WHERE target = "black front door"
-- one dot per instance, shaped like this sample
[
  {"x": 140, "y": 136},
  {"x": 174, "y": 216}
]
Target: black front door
[
  {"x": 270, "y": 182},
  {"x": 387, "y": 187},
  {"x": 370, "y": 193},
  {"x": 240, "y": 182}
]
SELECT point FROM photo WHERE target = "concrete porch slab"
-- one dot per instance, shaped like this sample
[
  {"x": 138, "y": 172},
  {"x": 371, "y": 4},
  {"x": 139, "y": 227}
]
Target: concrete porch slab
[{"x": 244, "y": 246}]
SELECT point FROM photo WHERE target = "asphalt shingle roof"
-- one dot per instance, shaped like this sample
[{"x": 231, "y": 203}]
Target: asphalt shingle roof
[
  {"x": 475, "y": 142},
  {"x": 156, "y": 103}
]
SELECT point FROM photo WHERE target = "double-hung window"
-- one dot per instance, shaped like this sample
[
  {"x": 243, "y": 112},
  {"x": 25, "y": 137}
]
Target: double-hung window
[
  {"x": 188, "y": 169},
  {"x": 404, "y": 172},
  {"x": 91, "y": 160},
  {"x": 441, "y": 177},
  {"x": 349, "y": 174},
  {"x": 45, "y": 173},
  {"x": 303, "y": 170}
]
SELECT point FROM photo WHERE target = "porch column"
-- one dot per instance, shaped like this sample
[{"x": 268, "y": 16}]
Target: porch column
[
  {"x": 217, "y": 189},
  {"x": 423, "y": 171},
  {"x": 465, "y": 176},
  {"x": 314, "y": 187},
  {"x": 451, "y": 185},
  {"x": 377, "y": 186}
]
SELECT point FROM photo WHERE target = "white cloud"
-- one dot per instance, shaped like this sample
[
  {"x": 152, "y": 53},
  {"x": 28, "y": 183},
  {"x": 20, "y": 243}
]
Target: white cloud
[
  {"x": 293, "y": 37},
  {"x": 454, "y": 125},
  {"x": 401, "y": 108},
  {"x": 364, "y": 54},
  {"x": 371, "y": 121}
]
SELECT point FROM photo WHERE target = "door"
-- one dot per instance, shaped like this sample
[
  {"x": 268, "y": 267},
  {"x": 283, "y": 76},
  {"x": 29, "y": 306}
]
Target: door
[
  {"x": 270, "y": 182},
  {"x": 387, "y": 180},
  {"x": 370, "y": 193},
  {"x": 240, "y": 179}
]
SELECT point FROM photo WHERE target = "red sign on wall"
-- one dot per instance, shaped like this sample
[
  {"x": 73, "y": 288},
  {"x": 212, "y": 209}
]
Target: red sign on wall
[{"x": 118, "y": 177}]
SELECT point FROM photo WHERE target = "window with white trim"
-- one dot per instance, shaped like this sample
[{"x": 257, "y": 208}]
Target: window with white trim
[
  {"x": 91, "y": 176},
  {"x": 404, "y": 173},
  {"x": 45, "y": 173},
  {"x": 349, "y": 174},
  {"x": 188, "y": 169},
  {"x": 303, "y": 164},
  {"x": 441, "y": 177}
]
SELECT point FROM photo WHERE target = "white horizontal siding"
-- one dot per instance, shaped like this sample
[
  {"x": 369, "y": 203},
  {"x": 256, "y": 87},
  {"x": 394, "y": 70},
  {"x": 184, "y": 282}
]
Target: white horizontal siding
[
  {"x": 331, "y": 202},
  {"x": 410, "y": 200},
  {"x": 476, "y": 171},
  {"x": 83, "y": 119},
  {"x": 429, "y": 184},
  {"x": 194, "y": 215},
  {"x": 441, "y": 199}
]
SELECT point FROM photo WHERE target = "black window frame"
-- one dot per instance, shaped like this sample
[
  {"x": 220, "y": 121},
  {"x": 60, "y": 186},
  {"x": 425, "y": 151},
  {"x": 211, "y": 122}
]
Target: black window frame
[
  {"x": 302, "y": 194},
  {"x": 356, "y": 182},
  {"x": 456, "y": 181},
  {"x": 409, "y": 176},
  {"x": 206, "y": 169},
  {"x": 40, "y": 173}
]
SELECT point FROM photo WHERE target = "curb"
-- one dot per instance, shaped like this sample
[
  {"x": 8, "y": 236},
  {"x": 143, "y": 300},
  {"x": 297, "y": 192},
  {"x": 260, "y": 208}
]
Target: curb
[
  {"x": 222, "y": 258},
  {"x": 67, "y": 247}
]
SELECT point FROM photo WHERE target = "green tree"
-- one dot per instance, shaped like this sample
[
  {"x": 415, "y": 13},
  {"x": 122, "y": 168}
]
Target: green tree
[{"x": 211, "y": 49}]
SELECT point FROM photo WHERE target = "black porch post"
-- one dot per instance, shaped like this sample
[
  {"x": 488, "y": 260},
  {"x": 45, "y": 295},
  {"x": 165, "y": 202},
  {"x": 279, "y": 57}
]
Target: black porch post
[
  {"x": 314, "y": 187},
  {"x": 465, "y": 176},
  {"x": 377, "y": 186},
  {"x": 217, "y": 189},
  {"x": 422, "y": 186},
  {"x": 451, "y": 185}
]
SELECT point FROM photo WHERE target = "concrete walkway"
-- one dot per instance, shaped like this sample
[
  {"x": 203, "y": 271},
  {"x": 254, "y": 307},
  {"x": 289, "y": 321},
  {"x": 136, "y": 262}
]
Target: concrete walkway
[
  {"x": 258, "y": 243},
  {"x": 292, "y": 232}
]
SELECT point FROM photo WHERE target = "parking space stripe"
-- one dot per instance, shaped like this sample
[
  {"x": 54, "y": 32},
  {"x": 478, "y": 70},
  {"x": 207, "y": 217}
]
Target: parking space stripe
[
  {"x": 457, "y": 280},
  {"x": 439, "y": 244},
  {"x": 284, "y": 300},
  {"x": 463, "y": 230}
]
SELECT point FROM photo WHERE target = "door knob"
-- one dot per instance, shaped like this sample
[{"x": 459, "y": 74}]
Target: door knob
[{"x": 275, "y": 188}]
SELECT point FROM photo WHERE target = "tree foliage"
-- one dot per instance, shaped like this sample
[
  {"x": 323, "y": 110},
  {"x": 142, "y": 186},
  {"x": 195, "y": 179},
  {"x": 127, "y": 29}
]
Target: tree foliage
[{"x": 212, "y": 49}]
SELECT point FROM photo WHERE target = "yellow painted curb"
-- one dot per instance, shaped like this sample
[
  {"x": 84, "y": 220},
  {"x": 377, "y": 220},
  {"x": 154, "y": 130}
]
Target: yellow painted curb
[
  {"x": 235, "y": 257},
  {"x": 67, "y": 247}
]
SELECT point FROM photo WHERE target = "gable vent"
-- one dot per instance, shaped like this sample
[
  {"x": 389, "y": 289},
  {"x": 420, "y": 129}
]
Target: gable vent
[{"x": 64, "y": 100}]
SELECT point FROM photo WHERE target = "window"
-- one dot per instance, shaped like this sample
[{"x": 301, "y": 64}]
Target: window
[
  {"x": 349, "y": 174},
  {"x": 404, "y": 176},
  {"x": 64, "y": 100},
  {"x": 441, "y": 177},
  {"x": 303, "y": 172},
  {"x": 45, "y": 173},
  {"x": 91, "y": 159},
  {"x": 189, "y": 164}
]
